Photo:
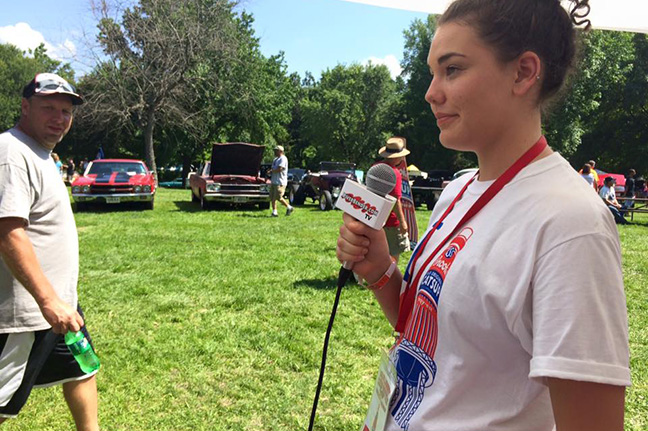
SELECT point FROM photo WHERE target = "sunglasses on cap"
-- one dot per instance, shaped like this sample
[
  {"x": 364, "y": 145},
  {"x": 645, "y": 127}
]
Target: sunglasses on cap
[{"x": 49, "y": 83}]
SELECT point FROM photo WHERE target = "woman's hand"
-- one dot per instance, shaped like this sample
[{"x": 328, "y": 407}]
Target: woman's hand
[{"x": 365, "y": 247}]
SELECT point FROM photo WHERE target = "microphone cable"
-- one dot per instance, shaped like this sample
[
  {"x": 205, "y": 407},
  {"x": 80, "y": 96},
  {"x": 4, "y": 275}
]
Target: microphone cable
[
  {"x": 343, "y": 277},
  {"x": 381, "y": 180}
]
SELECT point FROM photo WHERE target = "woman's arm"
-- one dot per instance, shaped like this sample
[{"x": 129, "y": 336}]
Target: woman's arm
[{"x": 587, "y": 406}]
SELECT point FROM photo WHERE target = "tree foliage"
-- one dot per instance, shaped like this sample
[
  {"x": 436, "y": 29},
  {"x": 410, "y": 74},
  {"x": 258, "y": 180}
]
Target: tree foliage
[
  {"x": 152, "y": 72},
  {"x": 343, "y": 117},
  {"x": 178, "y": 75}
]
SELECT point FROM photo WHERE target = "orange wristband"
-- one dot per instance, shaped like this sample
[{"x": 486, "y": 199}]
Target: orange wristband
[{"x": 382, "y": 281}]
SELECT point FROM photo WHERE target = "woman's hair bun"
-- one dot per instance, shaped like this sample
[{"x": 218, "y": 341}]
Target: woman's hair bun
[{"x": 578, "y": 13}]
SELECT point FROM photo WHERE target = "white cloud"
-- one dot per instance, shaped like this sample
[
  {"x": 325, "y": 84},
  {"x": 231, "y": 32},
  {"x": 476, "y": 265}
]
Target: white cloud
[
  {"x": 24, "y": 37},
  {"x": 390, "y": 61}
]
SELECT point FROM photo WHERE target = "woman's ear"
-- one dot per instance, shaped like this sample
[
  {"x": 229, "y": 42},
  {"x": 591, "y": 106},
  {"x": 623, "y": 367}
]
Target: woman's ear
[{"x": 528, "y": 73}]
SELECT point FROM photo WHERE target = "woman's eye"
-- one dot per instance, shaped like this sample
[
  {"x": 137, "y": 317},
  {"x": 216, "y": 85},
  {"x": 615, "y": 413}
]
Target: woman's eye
[{"x": 450, "y": 70}]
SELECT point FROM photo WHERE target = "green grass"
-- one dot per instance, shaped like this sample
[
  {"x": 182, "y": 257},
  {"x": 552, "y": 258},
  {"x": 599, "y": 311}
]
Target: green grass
[{"x": 215, "y": 321}]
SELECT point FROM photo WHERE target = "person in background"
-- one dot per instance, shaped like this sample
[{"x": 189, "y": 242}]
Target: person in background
[
  {"x": 630, "y": 191},
  {"x": 511, "y": 313},
  {"x": 586, "y": 173},
  {"x": 396, "y": 229},
  {"x": 83, "y": 164},
  {"x": 592, "y": 163},
  {"x": 39, "y": 250},
  {"x": 608, "y": 194},
  {"x": 70, "y": 170},
  {"x": 58, "y": 163},
  {"x": 278, "y": 181}
]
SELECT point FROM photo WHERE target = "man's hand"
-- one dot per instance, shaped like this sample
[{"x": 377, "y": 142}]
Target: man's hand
[
  {"x": 403, "y": 227},
  {"x": 61, "y": 316}
]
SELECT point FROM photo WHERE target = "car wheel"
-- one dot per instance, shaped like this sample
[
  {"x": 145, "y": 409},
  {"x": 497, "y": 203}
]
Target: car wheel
[
  {"x": 204, "y": 203},
  {"x": 149, "y": 205},
  {"x": 292, "y": 193},
  {"x": 325, "y": 201},
  {"x": 81, "y": 206},
  {"x": 300, "y": 196},
  {"x": 194, "y": 198}
]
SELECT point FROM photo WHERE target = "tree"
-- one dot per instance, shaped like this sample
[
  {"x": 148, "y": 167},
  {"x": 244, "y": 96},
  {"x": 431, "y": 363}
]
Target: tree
[
  {"x": 595, "y": 91},
  {"x": 154, "y": 59},
  {"x": 343, "y": 116}
]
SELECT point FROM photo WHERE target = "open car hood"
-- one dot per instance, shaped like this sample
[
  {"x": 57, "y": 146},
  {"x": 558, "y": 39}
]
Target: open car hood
[{"x": 236, "y": 158}]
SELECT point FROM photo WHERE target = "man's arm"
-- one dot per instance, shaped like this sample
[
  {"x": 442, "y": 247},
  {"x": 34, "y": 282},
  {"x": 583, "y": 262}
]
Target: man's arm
[
  {"x": 400, "y": 215},
  {"x": 586, "y": 406},
  {"x": 18, "y": 254}
]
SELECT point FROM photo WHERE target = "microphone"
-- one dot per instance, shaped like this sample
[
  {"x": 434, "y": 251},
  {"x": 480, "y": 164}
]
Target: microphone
[{"x": 370, "y": 205}]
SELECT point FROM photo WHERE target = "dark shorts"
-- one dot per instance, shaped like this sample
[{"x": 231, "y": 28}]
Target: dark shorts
[{"x": 34, "y": 359}]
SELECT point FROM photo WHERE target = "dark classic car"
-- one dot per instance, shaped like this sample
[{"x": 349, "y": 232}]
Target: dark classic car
[
  {"x": 231, "y": 177},
  {"x": 323, "y": 186},
  {"x": 427, "y": 189},
  {"x": 114, "y": 181}
]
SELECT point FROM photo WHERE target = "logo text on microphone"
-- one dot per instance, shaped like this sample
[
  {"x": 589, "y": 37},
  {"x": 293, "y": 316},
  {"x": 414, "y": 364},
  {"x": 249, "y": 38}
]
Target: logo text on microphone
[{"x": 359, "y": 204}]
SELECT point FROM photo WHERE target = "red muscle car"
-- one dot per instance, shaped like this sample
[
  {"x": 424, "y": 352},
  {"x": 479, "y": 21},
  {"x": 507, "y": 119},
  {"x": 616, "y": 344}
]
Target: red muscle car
[{"x": 114, "y": 181}]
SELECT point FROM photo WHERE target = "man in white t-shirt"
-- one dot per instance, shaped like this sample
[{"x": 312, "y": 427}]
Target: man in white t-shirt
[
  {"x": 39, "y": 262},
  {"x": 608, "y": 194},
  {"x": 278, "y": 181}
]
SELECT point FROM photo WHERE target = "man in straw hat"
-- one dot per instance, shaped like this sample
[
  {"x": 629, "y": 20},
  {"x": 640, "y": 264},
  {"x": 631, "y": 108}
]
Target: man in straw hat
[
  {"x": 393, "y": 154},
  {"x": 39, "y": 253}
]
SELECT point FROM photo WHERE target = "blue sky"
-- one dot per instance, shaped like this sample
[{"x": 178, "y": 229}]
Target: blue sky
[{"x": 314, "y": 34}]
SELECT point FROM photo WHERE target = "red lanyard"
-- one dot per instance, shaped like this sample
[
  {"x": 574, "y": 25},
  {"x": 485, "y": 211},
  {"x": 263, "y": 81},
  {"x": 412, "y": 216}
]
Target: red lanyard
[{"x": 407, "y": 299}]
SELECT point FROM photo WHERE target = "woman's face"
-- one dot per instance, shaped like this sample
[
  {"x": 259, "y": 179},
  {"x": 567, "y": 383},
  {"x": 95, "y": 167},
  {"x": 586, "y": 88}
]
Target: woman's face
[{"x": 470, "y": 93}]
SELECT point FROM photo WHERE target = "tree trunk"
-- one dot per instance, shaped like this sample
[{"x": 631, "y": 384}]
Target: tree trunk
[{"x": 148, "y": 142}]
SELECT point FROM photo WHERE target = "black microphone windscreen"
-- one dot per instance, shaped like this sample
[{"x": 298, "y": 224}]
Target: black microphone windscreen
[{"x": 381, "y": 179}]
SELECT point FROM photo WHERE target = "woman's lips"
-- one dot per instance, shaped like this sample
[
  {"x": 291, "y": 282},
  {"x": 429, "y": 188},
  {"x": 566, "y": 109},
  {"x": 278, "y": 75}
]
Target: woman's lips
[{"x": 443, "y": 119}]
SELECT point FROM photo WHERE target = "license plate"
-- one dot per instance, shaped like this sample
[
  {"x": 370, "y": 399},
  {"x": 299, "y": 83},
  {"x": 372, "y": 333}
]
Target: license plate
[
  {"x": 112, "y": 200},
  {"x": 240, "y": 199}
]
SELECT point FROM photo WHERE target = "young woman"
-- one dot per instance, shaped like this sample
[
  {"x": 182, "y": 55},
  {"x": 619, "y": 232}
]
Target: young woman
[
  {"x": 511, "y": 314},
  {"x": 586, "y": 173}
]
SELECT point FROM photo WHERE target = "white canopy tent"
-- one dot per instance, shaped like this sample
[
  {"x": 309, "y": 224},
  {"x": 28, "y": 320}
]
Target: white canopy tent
[{"x": 622, "y": 15}]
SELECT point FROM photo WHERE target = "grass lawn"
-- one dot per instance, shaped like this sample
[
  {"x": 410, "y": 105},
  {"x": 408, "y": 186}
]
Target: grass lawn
[{"x": 215, "y": 321}]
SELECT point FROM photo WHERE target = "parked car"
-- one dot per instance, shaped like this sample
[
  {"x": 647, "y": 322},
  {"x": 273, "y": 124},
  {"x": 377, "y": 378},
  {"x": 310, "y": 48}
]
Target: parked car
[
  {"x": 427, "y": 189},
  {"x": 458, "y": 174},
  {"x": 114, "y": 181},
  {"x": 232, "y": 176},
  {"x": 323, "y": 186},
  {"x": 619, "y": 188},
  {"x": 175, "y": 183},
  {"x": 295, "y": 176}
]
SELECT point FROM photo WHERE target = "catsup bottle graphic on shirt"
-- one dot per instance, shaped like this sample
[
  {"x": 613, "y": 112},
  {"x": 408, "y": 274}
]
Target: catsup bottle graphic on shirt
[{"x": 414, "y": 356}]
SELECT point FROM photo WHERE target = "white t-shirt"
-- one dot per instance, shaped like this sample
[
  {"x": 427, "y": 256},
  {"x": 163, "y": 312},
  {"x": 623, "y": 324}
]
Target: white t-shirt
[
  {"x": 280, "y": 178},
  {"x": 607, "y": 193},
  {"x": 589, "y": 178},
  {"x": 517, "y": 300},
  {"x": 31, "y": 188}
]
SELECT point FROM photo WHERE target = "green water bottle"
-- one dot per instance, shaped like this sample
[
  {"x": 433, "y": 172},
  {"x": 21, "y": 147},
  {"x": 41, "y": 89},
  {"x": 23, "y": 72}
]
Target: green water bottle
[{"x": 82, "y": 351}]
